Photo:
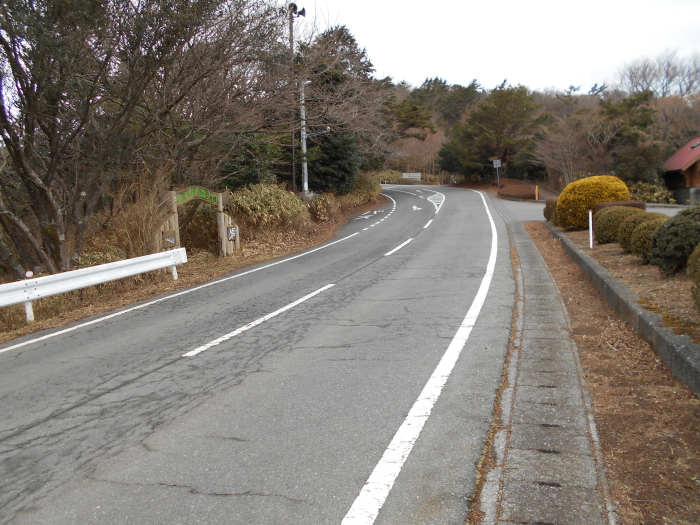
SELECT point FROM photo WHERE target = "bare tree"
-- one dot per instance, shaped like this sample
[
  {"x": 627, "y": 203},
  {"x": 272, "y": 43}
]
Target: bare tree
[
  {"x": 342, "y": 91},
  {"x": 668, "y": 75},
  {"x": 93, "y": 89},
  {"x": 564, "y": 149}
]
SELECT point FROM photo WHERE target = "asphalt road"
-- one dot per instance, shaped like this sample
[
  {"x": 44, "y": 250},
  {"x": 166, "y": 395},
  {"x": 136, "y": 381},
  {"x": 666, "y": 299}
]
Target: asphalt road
[{"x": 300, "y": 402}]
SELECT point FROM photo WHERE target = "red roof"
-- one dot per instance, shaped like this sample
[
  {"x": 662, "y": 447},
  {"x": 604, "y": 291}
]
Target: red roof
[{"x": 685, "y": 157}]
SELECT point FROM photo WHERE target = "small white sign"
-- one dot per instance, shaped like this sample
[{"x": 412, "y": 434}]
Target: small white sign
[
  {"x": 415, "y": 176},
  {"x": 497, "y": 163}
]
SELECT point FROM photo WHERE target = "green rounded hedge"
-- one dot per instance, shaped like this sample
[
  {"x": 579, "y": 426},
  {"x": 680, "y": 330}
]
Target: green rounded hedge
[
  {"x": 694, "y": 274},
  {"x": 607, "y": 222},
  {"x": 628, "y": 225},
  {"x": 640, "y": 240},
  {"x": 581, "y": 195},
  {"x": 675, "y": 240},
  {"x": 691, "y": 213}
]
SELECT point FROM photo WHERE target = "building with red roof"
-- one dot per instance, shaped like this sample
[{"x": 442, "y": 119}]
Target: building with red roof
[{"x": 683, "y": 173}]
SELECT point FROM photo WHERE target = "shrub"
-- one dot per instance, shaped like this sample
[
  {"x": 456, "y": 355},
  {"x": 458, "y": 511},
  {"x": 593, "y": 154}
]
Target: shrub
[
  {"x": 674, "y": 241},
  {"x": 550, "y": 210},
  {"x": 202, "y": 231},
  {"x": 692, "y": 213},
  {"x": 267, "y": 206},
  {"x": 694, "y": 274},
  {"x": 388, "y": 176},
  {"x": 640, "y": 240},
  {"x": 628, "y": 225},
  {"x": 324, "y": 208},
  {"x": 367, "y": 188},
  {"x": 628, "y": 204},
  {"x": 645, "y": 192},
  {"x": 517, "y": 191},
  {"x": 581, "y": 195},
  {"x": 607, "y": 222}
]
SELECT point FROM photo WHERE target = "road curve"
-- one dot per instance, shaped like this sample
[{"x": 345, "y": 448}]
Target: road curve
[{"x": 271, "y": 395}]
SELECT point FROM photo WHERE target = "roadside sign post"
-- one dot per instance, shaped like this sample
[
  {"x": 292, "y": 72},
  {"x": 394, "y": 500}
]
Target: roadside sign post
[{"x": 497, "y": 164}]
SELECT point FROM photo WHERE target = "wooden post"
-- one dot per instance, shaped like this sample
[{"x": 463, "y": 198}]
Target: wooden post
[
  {"x": 221, "y": 222},
  {"x": 175, "y": 218},
  {"x": 171, "y": 225}
]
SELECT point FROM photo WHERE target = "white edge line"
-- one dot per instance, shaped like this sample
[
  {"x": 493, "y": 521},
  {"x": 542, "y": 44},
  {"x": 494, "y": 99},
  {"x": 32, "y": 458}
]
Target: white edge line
[
  {"x": 242, "y": 329},
  {"x": 366, "y": 507},
  {"x": 428, "y": 224},
  {"x": 150, "y": 303},
  {"x": 212, "y": 283},
  {"x": 398, "y": 247}
]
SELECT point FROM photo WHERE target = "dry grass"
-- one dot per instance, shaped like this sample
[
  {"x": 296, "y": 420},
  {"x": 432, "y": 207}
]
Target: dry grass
[{"x": 648, "y": 422}]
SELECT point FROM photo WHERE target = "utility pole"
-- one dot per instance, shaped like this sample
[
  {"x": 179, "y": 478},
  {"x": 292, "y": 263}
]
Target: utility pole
[
  {"x": 293, "y": 13},
  {"x": 304, "y": 165},
  {"x": 304, "y": 136}
]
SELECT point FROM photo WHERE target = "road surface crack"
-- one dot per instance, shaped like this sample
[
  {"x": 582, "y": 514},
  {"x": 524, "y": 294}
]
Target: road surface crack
[{"x": 199, "y": 492}]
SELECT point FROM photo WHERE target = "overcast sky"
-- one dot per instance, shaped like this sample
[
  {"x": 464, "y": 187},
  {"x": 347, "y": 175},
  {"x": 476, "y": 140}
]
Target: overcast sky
[{"x": 537, "y": 43}]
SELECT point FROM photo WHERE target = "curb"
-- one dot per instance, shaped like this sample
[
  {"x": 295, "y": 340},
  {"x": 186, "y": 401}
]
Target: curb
[{"x": 678, "y": 352}]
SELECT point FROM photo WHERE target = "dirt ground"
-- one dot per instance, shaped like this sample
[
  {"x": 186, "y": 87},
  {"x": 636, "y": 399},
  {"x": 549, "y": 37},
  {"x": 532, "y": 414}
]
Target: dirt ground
[
  {"x": 661, "y": 293},
  {"x": 649, "y": 423}
]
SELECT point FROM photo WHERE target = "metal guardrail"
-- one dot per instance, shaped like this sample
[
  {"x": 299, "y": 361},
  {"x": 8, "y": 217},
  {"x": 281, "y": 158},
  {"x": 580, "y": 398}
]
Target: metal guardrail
[{"x": 32, "y": 289}]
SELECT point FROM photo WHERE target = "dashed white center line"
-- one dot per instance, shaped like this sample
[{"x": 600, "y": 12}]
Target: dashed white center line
[
  {"x": 242, "y": 329},
  {"x": 398, "y": 247},
  {"x": 428, "y": 224}
]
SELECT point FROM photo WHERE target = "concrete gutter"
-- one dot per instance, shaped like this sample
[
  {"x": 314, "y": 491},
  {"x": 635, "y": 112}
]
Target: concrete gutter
[{"x": 679, "y": 352}]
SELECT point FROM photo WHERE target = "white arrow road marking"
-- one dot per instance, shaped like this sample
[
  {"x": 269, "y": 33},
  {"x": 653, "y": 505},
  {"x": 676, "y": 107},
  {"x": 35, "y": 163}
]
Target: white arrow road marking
[
  {"x": 242, "y": 329},
  {"x": 366, "y": 507},
  {"x": 416, "y": 208}
]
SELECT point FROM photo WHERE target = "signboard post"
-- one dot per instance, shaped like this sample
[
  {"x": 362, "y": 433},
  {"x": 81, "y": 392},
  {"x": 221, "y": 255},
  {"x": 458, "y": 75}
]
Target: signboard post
[
  {"x": 497, "y": 164},
  {"x": 229, "y": 233}
]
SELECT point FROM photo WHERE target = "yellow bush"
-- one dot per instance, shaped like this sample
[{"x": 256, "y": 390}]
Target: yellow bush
[
  {"x": 389, "y": 176},
  {"x": 581, "y": 195},
  {"x": 265, "y": 206},
  {"x": 324, "y": 208},
  {"x": 367, "y": 188}
]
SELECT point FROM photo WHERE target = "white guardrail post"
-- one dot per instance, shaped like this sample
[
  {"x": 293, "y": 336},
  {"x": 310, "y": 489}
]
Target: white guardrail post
[{"x": 32, "y": 289}]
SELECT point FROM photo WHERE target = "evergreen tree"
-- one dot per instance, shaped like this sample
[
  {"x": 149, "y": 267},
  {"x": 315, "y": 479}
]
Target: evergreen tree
[
  {"x": 506, "y": 126},
  {"x": 334, "y": 164},
  {"x": 637, "y": 155},
  {"x": 253, "y": 161}
]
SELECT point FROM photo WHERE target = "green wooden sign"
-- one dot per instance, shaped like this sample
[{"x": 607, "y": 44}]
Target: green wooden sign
[{"x": 194, "y": 192}]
